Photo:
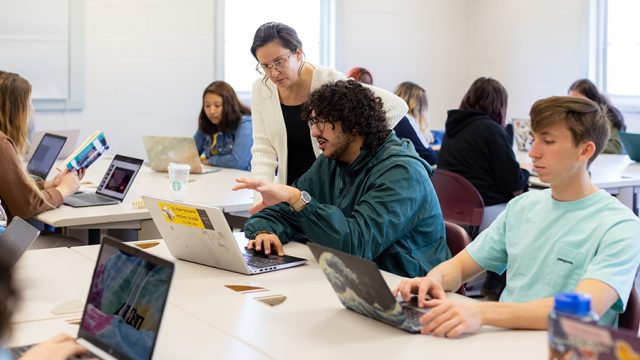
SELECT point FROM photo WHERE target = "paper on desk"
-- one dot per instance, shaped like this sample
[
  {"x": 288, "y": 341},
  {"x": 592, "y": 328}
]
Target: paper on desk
[{"x": 246, "y": 288}]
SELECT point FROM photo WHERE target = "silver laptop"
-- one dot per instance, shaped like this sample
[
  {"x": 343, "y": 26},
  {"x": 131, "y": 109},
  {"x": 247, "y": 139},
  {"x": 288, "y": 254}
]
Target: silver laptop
[
  {"x": 114, "y": 185},
  {"x": 72, "y": 136},
  {"x": 361, "y": 288},
  {"x": 45, "y": 155},
  {"x": 201, "y": 234},
  {"x": 17, "y": 237},
  {"x": 162, "y": 150},
  {"x": 125, "y": 303}
]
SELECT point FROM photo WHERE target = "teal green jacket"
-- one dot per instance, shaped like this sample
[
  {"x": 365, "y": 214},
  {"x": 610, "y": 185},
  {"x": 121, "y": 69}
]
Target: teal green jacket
[{"x": 382, "y": 207}]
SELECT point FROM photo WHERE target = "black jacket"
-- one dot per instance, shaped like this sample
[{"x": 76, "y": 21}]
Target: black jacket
[{"x": 479, "y": 149}]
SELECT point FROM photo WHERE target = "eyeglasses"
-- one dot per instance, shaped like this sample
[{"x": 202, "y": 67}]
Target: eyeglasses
[
  {"x": 320, "y": 124},
  {"x": 278, "y": 65}
]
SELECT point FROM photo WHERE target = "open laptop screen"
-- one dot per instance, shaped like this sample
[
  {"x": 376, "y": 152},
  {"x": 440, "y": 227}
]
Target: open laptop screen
[
  {"x": 119, "y": 177},
  {"x": 126, "y": 301},
  {"x": 45, "y": 155}
]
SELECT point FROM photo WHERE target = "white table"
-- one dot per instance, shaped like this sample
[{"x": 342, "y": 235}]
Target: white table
[
  {"x": 210, "y": 189},
  {"x": 312, "y": 323},
  {"x": 47, "y": 278}
]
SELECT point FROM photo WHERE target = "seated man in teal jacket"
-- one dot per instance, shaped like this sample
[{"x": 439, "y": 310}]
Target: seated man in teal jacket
[{"x": 369, "y": 193}]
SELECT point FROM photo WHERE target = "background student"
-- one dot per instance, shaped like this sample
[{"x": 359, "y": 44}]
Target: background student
[
  {"x": 20, "y": 195},
  {"x": 360, "y": 74},
  {"x": 224, "y": 136},
  {"x": 586, "y": 89},
  {"x": 571, "y": 237},
  {"x": 416, "y": 98},
  {"x": 281, "y": 139}
]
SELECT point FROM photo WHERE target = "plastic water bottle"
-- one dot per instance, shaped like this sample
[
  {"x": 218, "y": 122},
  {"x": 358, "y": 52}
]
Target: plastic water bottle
[
  {"x": 3, "y": 218},
  {"x": 567, "y": 304}
]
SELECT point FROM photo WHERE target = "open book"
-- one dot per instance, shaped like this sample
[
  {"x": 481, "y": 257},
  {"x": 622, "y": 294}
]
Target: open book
[{"x": 90, "y": 150}]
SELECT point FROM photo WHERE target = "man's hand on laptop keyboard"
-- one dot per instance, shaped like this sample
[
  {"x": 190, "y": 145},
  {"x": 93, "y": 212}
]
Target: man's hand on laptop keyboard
[
  {"x": 268, "y": 242},
  {"x": 62, "y": 346}
]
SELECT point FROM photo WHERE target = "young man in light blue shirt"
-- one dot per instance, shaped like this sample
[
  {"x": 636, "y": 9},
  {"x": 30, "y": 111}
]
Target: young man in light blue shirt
[{"x": 571, "y": 237}]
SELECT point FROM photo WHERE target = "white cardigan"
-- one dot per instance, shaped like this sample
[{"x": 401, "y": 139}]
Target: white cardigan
[{"x": 270, "y": 134}]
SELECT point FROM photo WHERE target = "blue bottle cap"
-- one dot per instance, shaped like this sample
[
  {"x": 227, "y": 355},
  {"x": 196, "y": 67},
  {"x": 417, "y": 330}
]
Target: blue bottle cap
[{"x": 572, "y": 304}]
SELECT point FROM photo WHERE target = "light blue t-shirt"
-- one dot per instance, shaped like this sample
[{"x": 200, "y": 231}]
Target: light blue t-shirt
[{"x": 549, "y": 246}]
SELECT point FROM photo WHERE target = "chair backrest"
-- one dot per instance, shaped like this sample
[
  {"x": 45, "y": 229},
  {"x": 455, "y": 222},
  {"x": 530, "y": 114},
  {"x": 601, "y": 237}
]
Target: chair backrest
[
  {"x": 459, "y": 200},
  {"x": 630, "y": 318},
  {"x": 457, "y": 240},
  {"x": 457, "y": 237}
]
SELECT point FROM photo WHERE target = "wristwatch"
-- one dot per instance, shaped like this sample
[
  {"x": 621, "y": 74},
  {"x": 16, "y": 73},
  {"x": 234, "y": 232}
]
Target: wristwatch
[{"x": 305, "y": 198}]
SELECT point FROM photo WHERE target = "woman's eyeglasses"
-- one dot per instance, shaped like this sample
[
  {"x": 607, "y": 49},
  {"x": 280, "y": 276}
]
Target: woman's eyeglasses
[{"x": 278, "y": 65}]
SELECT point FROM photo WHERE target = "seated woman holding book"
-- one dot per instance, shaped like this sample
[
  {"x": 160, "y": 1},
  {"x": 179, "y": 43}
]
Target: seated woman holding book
[{"x": 19, "y": 194}]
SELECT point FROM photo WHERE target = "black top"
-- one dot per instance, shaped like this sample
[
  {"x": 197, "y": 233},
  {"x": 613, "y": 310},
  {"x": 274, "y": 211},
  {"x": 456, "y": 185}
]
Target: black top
[
  {"x": 405, "y": 130},
  {"x": 301, "y": 155},
  {"x": 479, "y": 149}
]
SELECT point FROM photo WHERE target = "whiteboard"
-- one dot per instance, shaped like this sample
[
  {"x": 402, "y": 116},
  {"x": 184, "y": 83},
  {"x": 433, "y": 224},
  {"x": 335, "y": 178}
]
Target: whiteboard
[{"x": 40, "y": 40}]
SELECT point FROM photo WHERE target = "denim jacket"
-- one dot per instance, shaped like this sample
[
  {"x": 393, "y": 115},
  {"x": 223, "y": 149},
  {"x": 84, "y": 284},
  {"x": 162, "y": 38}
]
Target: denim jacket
[{"x": 232, "y": 148}]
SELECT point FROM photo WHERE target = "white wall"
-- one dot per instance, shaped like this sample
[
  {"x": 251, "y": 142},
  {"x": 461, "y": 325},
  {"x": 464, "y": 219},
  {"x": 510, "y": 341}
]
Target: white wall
[
  {"x": 147, "y": 63},
  {"x": 424, "y": 41},
  {"x": 534, "y": 48}
]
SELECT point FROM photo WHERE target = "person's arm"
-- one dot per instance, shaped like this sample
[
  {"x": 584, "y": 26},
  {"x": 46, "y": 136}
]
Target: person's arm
[
  {"x": 264, "y": 160},
  {"x": 18, "y": 193},
  {"x": 394, "y": 106},
  {"x": 240, "y": 156},
  {"x": 60, "y": 347},
  {"x": 199, "y": 137}
]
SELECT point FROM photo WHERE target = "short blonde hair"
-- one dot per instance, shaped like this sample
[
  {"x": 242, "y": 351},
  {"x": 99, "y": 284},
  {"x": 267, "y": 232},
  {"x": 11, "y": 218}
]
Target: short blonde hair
[
  {"x": 585, "y": 119},
  {"x": 15, "y": 108}
]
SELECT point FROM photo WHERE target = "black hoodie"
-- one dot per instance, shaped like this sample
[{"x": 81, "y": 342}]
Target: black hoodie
[{"x": 478, "y": 148}]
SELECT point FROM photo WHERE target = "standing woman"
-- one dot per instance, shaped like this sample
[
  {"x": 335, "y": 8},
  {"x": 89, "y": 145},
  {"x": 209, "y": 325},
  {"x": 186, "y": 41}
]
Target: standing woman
[
  {"x": 224, "y": 134},
  {"x": 282, "y": 142},
  {"x": 20, "y": 195},
  {"x": 584, "y": 88}
]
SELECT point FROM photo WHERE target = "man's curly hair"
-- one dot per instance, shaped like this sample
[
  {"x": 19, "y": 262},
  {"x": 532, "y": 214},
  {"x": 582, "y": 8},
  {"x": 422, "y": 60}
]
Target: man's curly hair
[{"x": 356, "y": 107}]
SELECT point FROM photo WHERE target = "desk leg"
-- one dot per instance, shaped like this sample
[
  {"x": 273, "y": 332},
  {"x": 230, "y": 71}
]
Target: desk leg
[
  {"x": 94, "y": 236},
  {"x": 627, "y": 197}
]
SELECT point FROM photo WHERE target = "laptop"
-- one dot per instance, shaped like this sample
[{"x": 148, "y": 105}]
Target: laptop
[
  {"x": 361, "y": 288},
  {"x": 631, "y": 143},
  {"x": 592, "y": 341},
  {"x": 125, "y": 304},
  {"x": 114, "y": 185},
  {"x": 45, "y": 155},
  {"x": 72, "y": 136},
  {"x": 17, "y": 237},
  {"x": 201, "y": 234},
  {"x": 162, "y": 150}
]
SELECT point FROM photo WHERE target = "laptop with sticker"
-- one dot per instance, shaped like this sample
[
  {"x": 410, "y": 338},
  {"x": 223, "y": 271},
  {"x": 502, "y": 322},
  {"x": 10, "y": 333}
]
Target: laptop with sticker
[
  {"x": 201, "y": 234},
  {"x": 361, "y": 288}
]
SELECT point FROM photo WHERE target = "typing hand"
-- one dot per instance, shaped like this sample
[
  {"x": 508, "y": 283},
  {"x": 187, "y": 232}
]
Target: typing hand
[
  {"x": 450, "y": 319},
  {"x": 423, "y": 287},
  {"x": 268, "y": 242},
  {"x": 61, "y": 347}
]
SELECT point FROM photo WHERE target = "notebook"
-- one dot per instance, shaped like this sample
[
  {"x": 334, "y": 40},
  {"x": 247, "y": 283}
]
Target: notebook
[
  {"x": 162, "y": 150},
  {"x": 631, "y": 143},
  {"x": 361, "y": 288},
  {"x": 114, "y": 185},
  {"x": 17, "y": 237},
  {"x": 72, "y": 136},
  {"x": 125, "y": 304},
  {"x": 45, "y": 155},
  {"x": 201, "y": 234}
]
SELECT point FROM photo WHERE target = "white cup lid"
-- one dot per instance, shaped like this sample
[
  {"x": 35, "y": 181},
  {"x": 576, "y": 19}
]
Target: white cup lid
[{"x": 178, "y": 166}]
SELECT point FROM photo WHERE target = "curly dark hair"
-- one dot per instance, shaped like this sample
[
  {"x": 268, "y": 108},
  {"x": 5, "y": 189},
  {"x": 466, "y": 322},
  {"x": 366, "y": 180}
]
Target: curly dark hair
[
  {"x": 356, "y": 107},
  {"x": 232, "y": 109},
  {"x": 8, "y": 291}
]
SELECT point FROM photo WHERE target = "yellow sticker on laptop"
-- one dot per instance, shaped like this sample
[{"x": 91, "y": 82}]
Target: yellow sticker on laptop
[{"x": 185, "y": 215}]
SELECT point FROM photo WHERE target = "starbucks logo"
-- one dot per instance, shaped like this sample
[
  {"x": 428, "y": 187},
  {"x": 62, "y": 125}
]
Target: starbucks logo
[{"x": 176, "y": 186}]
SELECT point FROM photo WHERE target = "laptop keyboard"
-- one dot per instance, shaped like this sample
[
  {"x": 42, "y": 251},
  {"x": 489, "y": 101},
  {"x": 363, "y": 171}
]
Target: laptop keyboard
[
  {"x": 91, "y": 198},
  {"x": 413, "y": 315},
  {"x": 261, "y": 262}
]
